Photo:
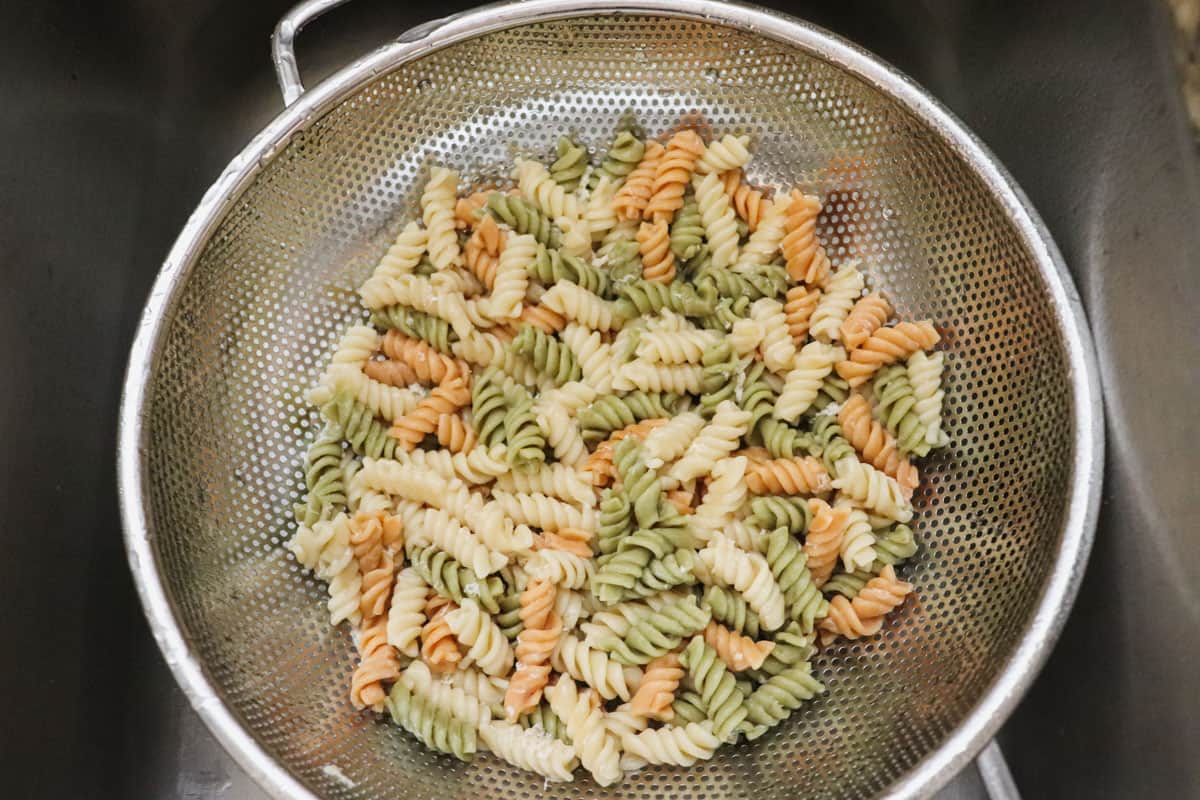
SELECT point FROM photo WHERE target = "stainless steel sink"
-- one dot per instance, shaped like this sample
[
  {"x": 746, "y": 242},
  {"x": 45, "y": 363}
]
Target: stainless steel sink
[{"x": 116, "y": 120}]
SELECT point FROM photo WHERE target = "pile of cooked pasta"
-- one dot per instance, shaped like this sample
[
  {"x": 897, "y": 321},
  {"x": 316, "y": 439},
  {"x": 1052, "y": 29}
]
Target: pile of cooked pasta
[{"x": 619, "y": 449}]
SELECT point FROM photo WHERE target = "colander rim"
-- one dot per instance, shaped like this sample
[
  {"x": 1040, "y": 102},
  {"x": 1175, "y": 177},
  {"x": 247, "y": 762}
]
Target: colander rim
[{"x": 981, "y": 723}]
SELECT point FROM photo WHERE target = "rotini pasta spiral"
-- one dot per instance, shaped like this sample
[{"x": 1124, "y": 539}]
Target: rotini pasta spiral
[
  {"x": 863, "y": 616},
  {"x": 522, "y": 435},
  {"x": 547, "y": 354},
  {"x": 593, "y": 666},
  {"x": 802, "y": 475},
  {"x": 687, "y": 231},
  {"x": 790, "y": 513},
  {"x": 403, "y": 255},
  {"x": 541, "y": 631},
  {"x": 524, "y": 219},
  {"x": 716, "y": 440},
  {"x": 624, "y": 154},
  {"x": 778, "y": 697},
  {"x": 454, "y": 581},
  {"x": 877, "y": 446},
  {"x": 789, "y": 565},
  {"x": 867, "y": 316},
  {"x": 749, "y": 574},
  {"x": 749, "y": 203},
  {"x": 841, "y": 292},
  {"x": 824, "y": 541},
  {"x": 872, "y": 489},
  {"x": 436, "y": 729},
  {"x": 670, "y": 440},
  {"x": 599, "y": 215},
  {"x": 765, "y": 241},
  {"x": 439, "y": 648},
  {"x": 718, "y": 219},
  {"x": 807, "y": 261},
  {"x": 437, "y": 209},
  {"x": 446, "y": 398},
  {"x": 633, "y": 196},
  {"x": 367, "y": 437},
  {"x": 657, "y": 634},
  {"x": 925, "y": 374},
  {"x": 680, "y": 745},
  {"x": 660, "y": 681},
  {"x": 672, "y": 176},
  {"x": 579, "y": 305},
  {"x": 654, "y": 242},
  {"x": 469, "y": 210},
  {"x": 777, "y": 347},
  {"x": 782, "y": 440},
  {"x": 896, "y": 408},
  {"x": 406, "y": 614},
  {"x": 570, "y": 165},
  {"x": 802, "y": 383},
  {"x": 598, "y": 748},
  {"x": 801, "y": 303},
  {"x": 737, "y": 651},
  {"x": 609, "y": 413},
  {"x": 886, "y": 346},
  {"x": 730, "y": 608},
  {"x": 430, "y": 329},
  {"x": 723, "y": 702},
  {"x": 531, "y": 749},
  {"x": 429, "y": 365},
  {"x": 486, "y": 644},
  {"x": 323, "y": 477},
  {"x": 858, "y": 542},
  {"x": 641, "y": 298},
  {"x": 538, "y": 188},
  {"x": 482, "y": 251},
  {"x": 649, "y": 377},
  {"x": 727, "y": 153}
]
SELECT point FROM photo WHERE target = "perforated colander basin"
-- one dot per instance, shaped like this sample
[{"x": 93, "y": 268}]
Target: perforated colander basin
[{"x": 261, "y": 283}]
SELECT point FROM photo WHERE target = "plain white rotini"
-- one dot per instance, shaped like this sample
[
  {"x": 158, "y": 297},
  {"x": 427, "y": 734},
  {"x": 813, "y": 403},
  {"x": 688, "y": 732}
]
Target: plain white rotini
[
  {"x": 537, "y": 187},
  {"x": 555, "y": 480},
  {"x": 357, "y": 344},
  {"x": 437, "y": 527},
  {"x": 676, "y": 347},
  {"x": 499, "y": 533},
  {"x": 925, "y": 374},
  {"x": 763, "y": 244},
  {"x": 651, "y": 377},
  {"x": 571, "y": 396},
  {"x": 439, "y": 461},
  {"x": 571, "y": 606},
  {"x": 485, "y": 642},
  {"x": 540, "y": 511},
  {"x": 841, "y": 292},
  {"x": 749, "y": 574},
  {"x": 487, "y": 689},
  {"x": 404, "y": 254},
  {"x": 728, "y": 152},
  {"x": 725, "y": 493},
  {"x": 803, "y": 381},
  {"x": 325, "y": 549},
  {"x": 578, "y": 304},
  {"x": 508, "y": 291},
  {"x": 600, "y": 215},
  {"x": 746, "y": 335},
  {"x": 593, "y": 666},
  {"x": 593, "y": 355},
  {"x": 563, "y": 435},
  {"x": 858, "y": 542},
  {"x": 385, "y": 400},
  {"x": 871, "y": 489},
  {"x": 680, "y": 745},
  {"x": 715, "y": 441},
  {"x": 407, "y": 612},
  {"x": 418, "y": 292},
  {"x": 746, "y": 535},
  {"x": 625, "y": 231},
  {"x": 488, "y": 350},
  {"x": 561, "y": 568},
  {"x": 719, "y": 220},
  {"x": 778, "y": 348},
  {"x": 437, "y": 210},
  {"x": 598, "y": 749},
  {"x": 530, "y": 748},
  {"x": 670, "y": 441},
  {"x": 480, "y": 464},
  {"x": 412, "y": 481}
]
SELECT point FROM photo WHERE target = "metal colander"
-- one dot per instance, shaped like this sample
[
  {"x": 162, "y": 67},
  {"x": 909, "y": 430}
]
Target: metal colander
[{"x": 262, "y": 282}]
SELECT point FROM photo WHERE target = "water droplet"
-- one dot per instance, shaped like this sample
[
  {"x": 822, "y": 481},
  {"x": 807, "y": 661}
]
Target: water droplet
[
  {"x": 887, "y": 212},
  {"x": 424, "y": 84},
  {"x": 711, "y": 74}
]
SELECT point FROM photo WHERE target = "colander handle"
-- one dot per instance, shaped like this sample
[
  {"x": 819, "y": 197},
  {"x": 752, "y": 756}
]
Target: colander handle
[{"x": 283, "y": 41}]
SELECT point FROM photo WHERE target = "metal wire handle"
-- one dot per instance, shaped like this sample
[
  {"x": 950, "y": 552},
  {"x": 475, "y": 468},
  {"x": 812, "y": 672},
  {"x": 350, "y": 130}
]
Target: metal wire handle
[{"x": 283, "y": 41}]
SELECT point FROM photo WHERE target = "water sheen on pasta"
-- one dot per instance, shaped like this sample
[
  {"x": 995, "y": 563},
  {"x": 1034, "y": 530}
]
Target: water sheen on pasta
[{"x": 616, "y": 448}]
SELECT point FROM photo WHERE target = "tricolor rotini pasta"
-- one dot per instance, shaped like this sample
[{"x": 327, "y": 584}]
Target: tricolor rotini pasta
[{"x": 615, "y": 448}]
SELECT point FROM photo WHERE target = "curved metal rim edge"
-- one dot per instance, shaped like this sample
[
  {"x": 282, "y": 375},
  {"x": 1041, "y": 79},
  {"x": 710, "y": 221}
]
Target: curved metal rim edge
[{"x": 936, "y": 768}]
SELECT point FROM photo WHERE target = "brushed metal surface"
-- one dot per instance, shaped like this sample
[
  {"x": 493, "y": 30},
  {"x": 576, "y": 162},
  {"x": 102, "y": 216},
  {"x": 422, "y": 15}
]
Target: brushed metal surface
[{"x": 1076, "y": 99}]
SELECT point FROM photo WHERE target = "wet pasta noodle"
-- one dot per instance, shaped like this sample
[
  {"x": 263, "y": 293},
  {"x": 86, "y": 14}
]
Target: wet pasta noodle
[{"x": 619, "y": 449}]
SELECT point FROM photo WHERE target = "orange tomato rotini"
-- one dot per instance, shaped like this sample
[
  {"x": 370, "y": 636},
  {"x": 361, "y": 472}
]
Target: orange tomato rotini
[
  {"x": 801, "y": 303},
  {"x": 631, "y": 199},
  {"x": 886, "y": 346},
  {"x": 737, "y": 651},
  {"x": 673, "y": 175},
  {"x": 823, "y": 542},
  {"x": 878, "y": 447},
  {"x": 656, "y": 692},
  {"x": 863, "y": 616},
  {"x": 804, "y": 475},
  {"x": 807, "y": 260},
  {"x": 446, "y": 398},
  {"x": 867, "y": 316},
  {"x": 654, "y": 243}
]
